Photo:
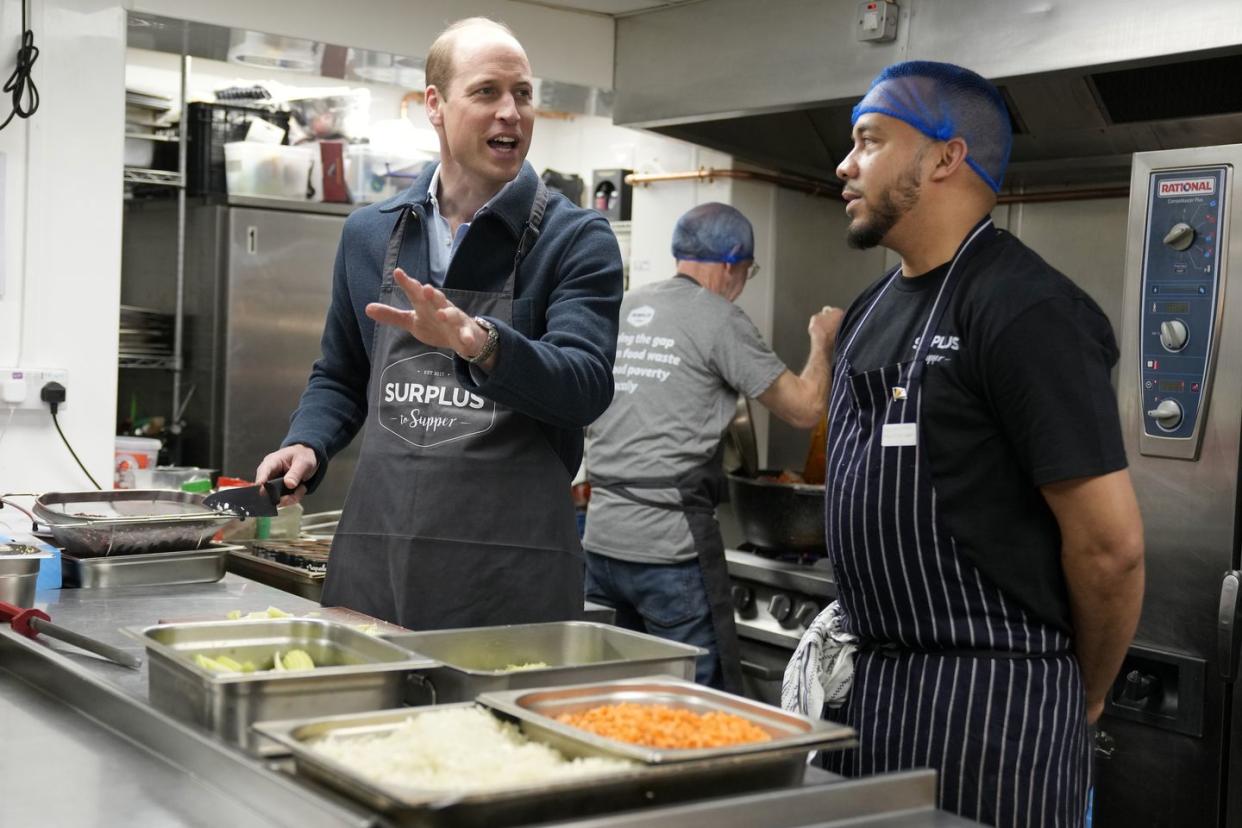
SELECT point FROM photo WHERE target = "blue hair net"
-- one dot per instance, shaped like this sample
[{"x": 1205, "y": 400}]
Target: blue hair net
[
  {"x": 944, "y": 101},
  {"x": 713, "y": 232}
]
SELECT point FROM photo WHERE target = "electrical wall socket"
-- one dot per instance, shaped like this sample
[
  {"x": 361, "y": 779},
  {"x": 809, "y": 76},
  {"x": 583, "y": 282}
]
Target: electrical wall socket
[{"x": 20, "y": 387}]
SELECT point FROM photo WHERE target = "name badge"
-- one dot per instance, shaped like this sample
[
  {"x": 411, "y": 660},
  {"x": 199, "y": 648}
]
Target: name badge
[{"x": 900, "y": 434}]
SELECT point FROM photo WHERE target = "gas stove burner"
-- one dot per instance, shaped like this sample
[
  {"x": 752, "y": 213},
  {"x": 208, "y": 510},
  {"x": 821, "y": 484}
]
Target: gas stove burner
[{"x": 794, "y": 556}]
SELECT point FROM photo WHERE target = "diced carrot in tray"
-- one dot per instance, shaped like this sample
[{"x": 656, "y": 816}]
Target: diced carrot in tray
[{"x": 661, "y": 726}]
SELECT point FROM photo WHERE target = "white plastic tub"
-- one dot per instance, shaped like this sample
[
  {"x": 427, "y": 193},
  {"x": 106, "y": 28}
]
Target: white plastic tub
[
  {"x": 135, "y": 459},
  {"x": 269, "y": 170},
  {"x": 367, "y": 172}
]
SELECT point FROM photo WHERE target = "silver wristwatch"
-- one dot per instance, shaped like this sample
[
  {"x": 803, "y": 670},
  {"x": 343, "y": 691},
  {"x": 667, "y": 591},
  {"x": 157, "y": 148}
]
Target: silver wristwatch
[{"x": 489, "y": 347}]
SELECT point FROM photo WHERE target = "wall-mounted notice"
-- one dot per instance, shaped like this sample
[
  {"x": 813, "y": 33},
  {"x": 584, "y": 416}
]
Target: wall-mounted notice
[{"x": 4, "y": 251}]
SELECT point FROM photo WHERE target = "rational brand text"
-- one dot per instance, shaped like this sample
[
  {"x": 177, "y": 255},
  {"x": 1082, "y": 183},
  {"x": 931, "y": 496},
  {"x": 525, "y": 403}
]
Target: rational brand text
[{"x": 1186, "y": 186}]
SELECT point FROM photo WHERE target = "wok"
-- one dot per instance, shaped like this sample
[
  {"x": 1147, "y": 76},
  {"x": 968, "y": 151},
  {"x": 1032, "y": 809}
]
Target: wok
[{"x": 784, "y": 516}]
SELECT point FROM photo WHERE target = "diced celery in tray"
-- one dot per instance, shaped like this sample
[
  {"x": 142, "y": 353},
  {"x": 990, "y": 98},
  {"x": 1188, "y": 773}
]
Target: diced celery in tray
[
  {"x": 270, "y": 612},
  {"x": 289, "y": 661}
]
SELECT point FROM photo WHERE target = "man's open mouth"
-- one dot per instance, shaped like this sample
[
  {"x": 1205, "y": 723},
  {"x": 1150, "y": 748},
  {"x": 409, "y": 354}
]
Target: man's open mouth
[{"x": 503, "y": 142}]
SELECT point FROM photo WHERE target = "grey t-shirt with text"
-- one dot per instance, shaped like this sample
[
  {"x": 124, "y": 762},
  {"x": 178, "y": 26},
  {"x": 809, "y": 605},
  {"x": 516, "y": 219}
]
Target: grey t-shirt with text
[{"x": 683, "y": 355}]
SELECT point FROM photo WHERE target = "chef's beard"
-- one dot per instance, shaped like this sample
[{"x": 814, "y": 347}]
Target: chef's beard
[{"x": 887, "y": 209}]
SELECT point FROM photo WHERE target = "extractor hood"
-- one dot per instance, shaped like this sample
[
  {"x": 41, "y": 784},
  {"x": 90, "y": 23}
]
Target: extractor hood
[{"x": 1087, "y": 84}]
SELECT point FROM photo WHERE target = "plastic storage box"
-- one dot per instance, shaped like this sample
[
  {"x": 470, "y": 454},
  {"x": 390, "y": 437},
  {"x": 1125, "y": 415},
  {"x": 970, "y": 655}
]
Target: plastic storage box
[
  {"x": 135, "y": 459},
  {"x": 211, "y": 126},
  {"x": 374, "y": 176},
  {"x": 269, "y": 170}
]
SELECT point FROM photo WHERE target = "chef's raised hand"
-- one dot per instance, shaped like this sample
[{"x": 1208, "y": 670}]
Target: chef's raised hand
[
  {"x": 824, "y": 325},
  {"x": 296, "y": 463},
  {"x": 433, "y": 319}
]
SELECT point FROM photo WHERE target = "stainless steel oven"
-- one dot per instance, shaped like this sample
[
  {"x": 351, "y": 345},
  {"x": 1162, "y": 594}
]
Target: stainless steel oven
[
  {"x": 1169, "y": 746},
  {"x": 774, "y": 600}
]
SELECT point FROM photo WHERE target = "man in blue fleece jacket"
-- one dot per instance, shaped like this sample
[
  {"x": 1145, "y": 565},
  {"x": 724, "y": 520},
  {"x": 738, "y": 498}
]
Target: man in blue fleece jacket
[{"x": 497, "y": 307}]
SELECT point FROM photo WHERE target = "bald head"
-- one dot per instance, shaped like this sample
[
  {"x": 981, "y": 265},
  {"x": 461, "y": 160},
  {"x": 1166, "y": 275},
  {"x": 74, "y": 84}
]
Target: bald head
[{"x": 463, "y": 36}]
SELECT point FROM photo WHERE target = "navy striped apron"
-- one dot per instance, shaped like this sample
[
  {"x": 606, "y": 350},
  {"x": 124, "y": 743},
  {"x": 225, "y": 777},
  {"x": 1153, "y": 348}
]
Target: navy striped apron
[{"x": 952, "y": 673}]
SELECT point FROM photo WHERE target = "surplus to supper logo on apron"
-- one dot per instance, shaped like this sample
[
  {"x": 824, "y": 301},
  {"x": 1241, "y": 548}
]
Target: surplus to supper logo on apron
[{"x": 422, "y": 403}]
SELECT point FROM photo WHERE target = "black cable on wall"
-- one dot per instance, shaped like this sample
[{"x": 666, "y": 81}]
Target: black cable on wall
[{"x": 21, "y": 86}]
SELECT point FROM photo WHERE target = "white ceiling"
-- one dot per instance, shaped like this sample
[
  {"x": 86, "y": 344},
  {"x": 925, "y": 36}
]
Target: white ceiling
[{"x": 612, "y": 8}]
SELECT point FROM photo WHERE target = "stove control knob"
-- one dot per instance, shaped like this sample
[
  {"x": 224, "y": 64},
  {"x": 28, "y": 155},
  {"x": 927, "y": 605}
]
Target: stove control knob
[
  {"x": 743, "y": 597},
  {"x": 780, "y": 607},
  {"x": 1180, "y": 236},
  {"x": 1174, "y": 335},
  {"x": 1168, "y": 415},
  {"x": 806, "y": 612}
]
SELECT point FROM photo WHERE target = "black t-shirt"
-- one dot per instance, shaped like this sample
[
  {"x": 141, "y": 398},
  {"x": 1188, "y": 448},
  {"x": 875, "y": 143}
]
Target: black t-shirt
[{"x": 1016, "y": 395}]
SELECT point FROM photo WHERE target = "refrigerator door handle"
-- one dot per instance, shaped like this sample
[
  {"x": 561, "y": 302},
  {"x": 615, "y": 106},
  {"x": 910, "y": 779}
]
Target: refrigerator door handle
[{"x": 1227, "y": 625}]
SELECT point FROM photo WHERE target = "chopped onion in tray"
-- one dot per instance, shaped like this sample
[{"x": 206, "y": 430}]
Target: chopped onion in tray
[{"x": 459, "y": 750}]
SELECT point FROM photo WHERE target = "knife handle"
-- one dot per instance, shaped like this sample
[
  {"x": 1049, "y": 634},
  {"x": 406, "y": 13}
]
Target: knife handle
[
  {"x": 276, "y": 489},
  {"x": 21, "y": 618}
]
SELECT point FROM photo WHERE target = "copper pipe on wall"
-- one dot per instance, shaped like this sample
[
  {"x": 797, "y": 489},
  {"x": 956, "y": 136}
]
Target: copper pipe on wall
[
  {"x": 810, "y": 186},
  {"x": 416, "y": 97},
  {"x": 1084, "y": 194},
  {"x": 419, "y": 97},
  {"x": 823, "y": 189}
]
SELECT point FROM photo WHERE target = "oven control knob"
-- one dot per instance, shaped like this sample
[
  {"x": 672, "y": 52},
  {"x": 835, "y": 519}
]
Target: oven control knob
[
  {"x": 743, "y": 597},
  {"x": 806, "y": 612},
  {"x": 780, "y": 607},
  {"x": 1174, "y": 335},
  {"x": 1180, "y": 236},
  {"x": 1168, "y": 415}
]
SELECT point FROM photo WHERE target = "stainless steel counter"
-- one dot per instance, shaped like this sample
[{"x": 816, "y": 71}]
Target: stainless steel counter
[
  {"x": 62, "y": 768},
  {"x": 84, "y": 747},
  {"x": 103, "y": 613}
]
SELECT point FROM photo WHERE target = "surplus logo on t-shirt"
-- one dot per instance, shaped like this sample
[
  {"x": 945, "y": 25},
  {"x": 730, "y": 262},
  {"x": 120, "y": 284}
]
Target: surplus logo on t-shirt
[
  {"x": 641, "y": 317},
  {"x": 940, "y": 342}
]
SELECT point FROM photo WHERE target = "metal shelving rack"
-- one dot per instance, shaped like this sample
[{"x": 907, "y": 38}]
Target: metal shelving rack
[{"x": 177, "y": 179}]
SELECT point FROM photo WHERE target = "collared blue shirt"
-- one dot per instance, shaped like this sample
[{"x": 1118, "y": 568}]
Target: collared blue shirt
[{"x": 442, "y": 241}]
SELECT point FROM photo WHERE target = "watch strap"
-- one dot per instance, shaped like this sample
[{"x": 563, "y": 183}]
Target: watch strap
[{"x": 489, "y": 347}]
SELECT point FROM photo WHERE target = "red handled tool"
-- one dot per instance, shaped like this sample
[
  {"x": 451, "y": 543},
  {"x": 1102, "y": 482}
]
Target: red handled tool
[{"x": 32, "y": 622}]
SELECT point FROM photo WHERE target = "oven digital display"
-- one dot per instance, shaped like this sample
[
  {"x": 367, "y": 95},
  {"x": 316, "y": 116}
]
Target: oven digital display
[
  {"x": 1171, "y": 386},
  {"x": 1173, "y": 307}
]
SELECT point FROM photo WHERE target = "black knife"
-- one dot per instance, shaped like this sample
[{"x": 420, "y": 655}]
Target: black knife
[{"x": 249, "y": 501}]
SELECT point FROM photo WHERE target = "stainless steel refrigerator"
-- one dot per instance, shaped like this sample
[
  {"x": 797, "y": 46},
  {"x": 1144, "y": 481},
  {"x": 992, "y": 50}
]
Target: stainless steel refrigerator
[
  {"x": 1169, "y": 746},
  {"x": 257, "y": 287}
]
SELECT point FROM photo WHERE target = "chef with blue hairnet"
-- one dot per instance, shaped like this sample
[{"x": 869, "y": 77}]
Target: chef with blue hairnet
[
  {"x": 684, "y": 353},
  {"x": 981, "y": 524}
]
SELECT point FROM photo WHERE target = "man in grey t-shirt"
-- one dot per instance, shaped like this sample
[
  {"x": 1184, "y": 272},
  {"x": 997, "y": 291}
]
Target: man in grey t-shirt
[{"x": 684, "y": 353}]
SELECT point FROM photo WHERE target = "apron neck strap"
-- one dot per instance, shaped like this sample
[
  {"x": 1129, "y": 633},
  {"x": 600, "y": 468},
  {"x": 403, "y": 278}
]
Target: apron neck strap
[
  {"x": 951, "y": 280},
  {"x": 530, "y": 232},
  {"x": 394, "y": 247}
]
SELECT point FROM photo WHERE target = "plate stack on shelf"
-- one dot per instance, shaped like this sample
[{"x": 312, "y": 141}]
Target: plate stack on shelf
[
  {"x": 146, "y": 337},
  {"x": 149, "y": 155}
]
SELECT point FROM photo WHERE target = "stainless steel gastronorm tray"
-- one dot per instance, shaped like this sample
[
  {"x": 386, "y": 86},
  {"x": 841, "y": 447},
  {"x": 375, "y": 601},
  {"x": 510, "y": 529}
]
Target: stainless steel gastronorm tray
[
  {"x": 363, "y": 672},
  {"x": 643, "y": 786},
  {"x": 473, "y": 661},
  {"x": 195, "y": 566},
  {"x": 127, "y": 521},
  {"x": 538, "y": 709}
]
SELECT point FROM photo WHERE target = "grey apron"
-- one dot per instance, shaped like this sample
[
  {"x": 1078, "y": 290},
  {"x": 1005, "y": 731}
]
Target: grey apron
[
  {"x": 459, "y": 514},
  {"x": 700, "y": 490}
]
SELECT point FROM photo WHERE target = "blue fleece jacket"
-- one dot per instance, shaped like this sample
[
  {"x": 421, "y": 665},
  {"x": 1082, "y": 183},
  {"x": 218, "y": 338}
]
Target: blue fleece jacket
[{"x": 556, "y": 358}]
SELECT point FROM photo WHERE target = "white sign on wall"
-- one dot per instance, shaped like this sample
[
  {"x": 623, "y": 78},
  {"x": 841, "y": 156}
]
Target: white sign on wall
[{"x": 3, "y": 221}]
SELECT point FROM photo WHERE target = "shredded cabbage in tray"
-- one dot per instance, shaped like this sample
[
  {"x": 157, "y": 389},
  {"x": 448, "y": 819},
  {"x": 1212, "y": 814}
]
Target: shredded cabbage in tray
[{"x": 459, "y": 750}]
